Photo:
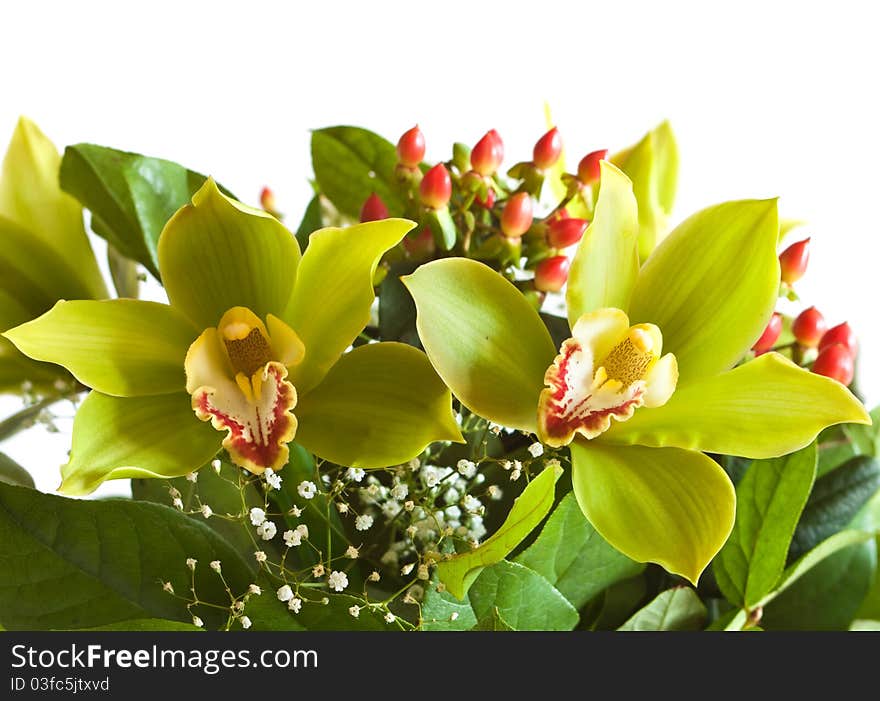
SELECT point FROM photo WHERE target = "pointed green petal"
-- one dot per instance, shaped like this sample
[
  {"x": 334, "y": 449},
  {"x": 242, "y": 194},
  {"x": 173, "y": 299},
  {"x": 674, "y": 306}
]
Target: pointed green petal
[
  {"x": 380, "y": 405},
  {"x": 669, "y": 506},
  {"x": 606, "y": 264},
  {"x": 116, "y": 438},
  {"x": 765, "y": 408},
  {"x": 122, "y": 347},
  {"x": 484, "y": 338},
  {"x": 334, "y": 292},
  {"x": 31, "y": 196},
  {"x": 216, "y": 253},
  {"x": 712, "y": 285}
]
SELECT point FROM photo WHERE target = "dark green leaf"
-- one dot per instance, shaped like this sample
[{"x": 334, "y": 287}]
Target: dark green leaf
[
  {"x": 312, "y": 221},
  {"x": 574, "y": 558},
  {"x": 68, "y": 563},
  {"x": 557, "y": 326},
  {"x": 617, "y": 603},
  {"x": 836, "y": 499},
  {"x": 151, "y": 624},
  {"x": 129, "y": 195},
  {"x": 524, "y": 599},
  {"x": 397, "y": 311},
  {"x": 493, "y": 621},
  {"x": 770, "y": 499},
  {"x": 442, "y": 611},
  {"x": 13, "y": 473},
  {"x": 673, "y": 609},
  {"x": 352, "y": 163}
]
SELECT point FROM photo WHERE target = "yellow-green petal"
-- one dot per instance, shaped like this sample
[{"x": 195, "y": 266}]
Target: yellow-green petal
[
  {"x": 334, "y": 292},
  {"x": 216, "y": 253},
  {"x": 763, "y": 409},
  {"x": 485, "y": 340},
  {"x": 121, "y": 347},
  {"x": 605, "y": 267},
  {"x": 665, "y": 505},
  {"x": 380, "y": 405},
  {"x": 118, "y": 438},
  {"x": 712, "y": 285},
  {"x": 31, "y": 196}
]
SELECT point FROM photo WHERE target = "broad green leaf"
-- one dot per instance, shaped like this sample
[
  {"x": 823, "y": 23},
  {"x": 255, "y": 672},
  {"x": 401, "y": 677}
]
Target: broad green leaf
[
  {"x": 712, "y": 285},
  {"x": 122, "y": 347},
  {"x": 762, "y": 409},
  {"x": 146, "y": 624},
  {"x": 217, "y": 253},
  {"x": 523, "y": 599},
  {"x": 13, "y": 473},
  {"x": 606, "y": 263},
  {"x": 116, "y": 438},
  {"x": 129, "y": 195},
  {"x": 870, "y": 606},
  {"x": 769, "y": 502},
  {"x": 829, "y": 595},
  {"x": 617, "y": 603},
  {"x": 31, "y": 197},
  {"x": 673, "y": 609},
  {"x": 652, "y": 165},
  {"x": 809, "y": 560},
  {"x": 483, "y": 337},
  {"x": 529, "y": 509},
  {"x": 835, "y": 501},
  {"x": 72, "y": 563},
  {"x": 331, "y": 301},
  {"x": 380, "y": 405},
  {"x": 665, "y": 505},
  {"x": 351, "y": 164},
  {"x": 574, "y": 558},
  {"x": 312, "y": 221},
  {"x": 443, "y": 228},
  {"x": 397, "y": 311},
  {"x": 493, "y": 621},
  {"x": 442, "y": 611}
]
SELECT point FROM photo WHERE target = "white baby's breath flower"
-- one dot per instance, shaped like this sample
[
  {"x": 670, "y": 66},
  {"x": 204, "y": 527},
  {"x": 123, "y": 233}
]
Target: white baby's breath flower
[
  {"x": 406, "y": 569},
  {"x": 467, "y": 468},
  {"x": 215, "y": 565},
  {"x": 167, "y": 586},
  {"x": 409, "y": 505},
  {"x": 306, "y": 489},
  {"x": 422, "y": 572},
  {"x": 390, "y": 617},
  {"x": 318, "y": 570},
  {"x": 272, "y": 478},
  {"x": 245, "y": 622},
  {"x": 257, "y": 516},
  {"x": 351, "y": 552},
  {"x": 414, "y": 464},
  {"x": 453, "y": 616},
  {"x": 198, "y": 622},
  {"x": 267, "y": 530},
  {"x": 374, "y": 576},
  {"x": 355, "y": 474},
  {"x": 363, "y": 522},
  {"x": 399, "y": 492},
  {"x": 342, "y": 507},
  {"x": 178, "y": 503},
  {"x": 292, "y": 538},
  {"x": 337, "y": 580},
  {"x": 192, "y": 476},
  {"x": 471, "y": 504},
  {"x": 494, "y": 492},
  {"x": 191, "y": 562},
  {"x": 260, "y": 556},
  {"x": 284, "y": 593},
  {"x": 295, "y": 511},
  {"x": 207, "y": 511},
  {"x": 536, "y": 450},
  {"x": 215, "y": 465},
  {"x": 295, "y": 604},
  {"x": 515, "y": 475},
  {"x": 355, "y": 611},
  {"x": 255, "y": 589}
]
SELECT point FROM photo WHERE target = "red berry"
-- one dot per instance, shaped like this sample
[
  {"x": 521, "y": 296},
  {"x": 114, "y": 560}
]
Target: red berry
[
  {"x": 436, "y": 187},
  {"x": 267, "y": 199},
  {"x": 489, "y": 202},
  {"x": 516, "y": 218},
  {"x": 836, "y": 362},
  {"x": 488, "y": 153},
  {"x": 843, "y": 334},
  {"x": 547, "y": 149},
  {"x": 588, "y": 168},
  {"x": 566, "y": 232},
  {"x": 551, "y": 274},
  {"x": 793, "y": 261},
  {"x": 770, "y": 336},
  {"x": 808, "y": 327},
  {"x": 374, "y": 209},
  {"x": 411, "y": 147},
  {"x": 557, "y": 215}
]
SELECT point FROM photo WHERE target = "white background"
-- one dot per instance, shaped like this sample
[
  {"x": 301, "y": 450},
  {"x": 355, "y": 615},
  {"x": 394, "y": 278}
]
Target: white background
[{"x": 766, "y": 98}]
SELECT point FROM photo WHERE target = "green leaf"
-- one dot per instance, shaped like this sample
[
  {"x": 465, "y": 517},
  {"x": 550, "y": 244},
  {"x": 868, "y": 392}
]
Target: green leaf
[
  {"x": 673, "y": 609},
  {"x": 397, "y": 311},
  {"x": 123, "y": 347},
  {"x": 835, "y": 501},
  {"x": 829, "y": 595},
  {"x": 665, "y": 505},
  {"x": 13, "y": 473},
  {"x": 617, "y": 603},
  {"x": 130, "y": 196},
  {"x": 574, "y": 558},
  {"x": 442, "y": 611},
  {"x": 217, "y": 253},
  {"x": 30, "y": 196},
  {"x": 146, "y": 624},
  {"x": 762, "y": 409},
  {"x": 331, "y": 301},
  {"x": 521, "y": 598},
  {"x": 529, "y": 509},
  {"x": 493, "y": 621},
  {"x": 71, "y": 564},
  {"x": 712, "y": 285},
  {"x": 606, "y": 263},
  {"x": 124, "y": 272},
  {"x": 352, "y": 163},
  {"x": 116, "y": 438},
  {"x": 652, "y": 165},
  {"x": 380, "y": 405},
  {"x": 870, "y": 607},
  {"x": 443, "y": 228},
  {"x": 483, "y": 337},
  {"x": 769, "y": 501},
  {"x": 267, "y": 613},
  {"x": 312, "y": 221}
]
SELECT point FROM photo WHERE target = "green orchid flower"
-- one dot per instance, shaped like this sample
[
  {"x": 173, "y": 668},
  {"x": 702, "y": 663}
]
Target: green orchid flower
[
  {"x": 45, "y": 256},
  {"x": 252, "y": 345},
  {"x": 648, "y": 379}
]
